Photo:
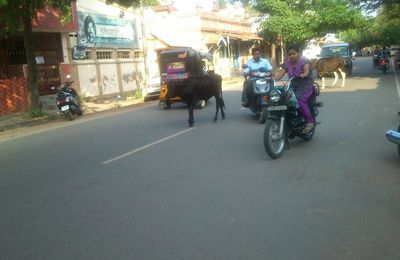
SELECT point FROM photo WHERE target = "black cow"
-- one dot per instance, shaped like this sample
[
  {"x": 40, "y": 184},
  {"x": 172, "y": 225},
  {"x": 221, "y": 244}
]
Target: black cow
[{"x": 197, "y": 88}]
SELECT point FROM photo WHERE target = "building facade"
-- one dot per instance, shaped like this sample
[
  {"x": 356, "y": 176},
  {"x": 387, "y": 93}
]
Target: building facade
[
  {"x": 51, "y": 58},
  {"x": 106, "y": 52},
  {"x": 228, "y": 36}
]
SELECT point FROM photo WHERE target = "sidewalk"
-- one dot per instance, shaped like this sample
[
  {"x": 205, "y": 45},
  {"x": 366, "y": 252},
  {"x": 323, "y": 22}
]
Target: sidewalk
[{"x": 23, "y": 119}]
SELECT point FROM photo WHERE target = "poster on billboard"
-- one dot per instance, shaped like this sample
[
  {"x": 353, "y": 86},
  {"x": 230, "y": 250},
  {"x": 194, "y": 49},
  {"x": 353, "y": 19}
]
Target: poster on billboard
[{"x": 97, "y": 30}]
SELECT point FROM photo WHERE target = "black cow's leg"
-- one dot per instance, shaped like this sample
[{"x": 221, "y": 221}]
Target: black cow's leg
[
  {"x": 217, "y": 106},
  {"x": 222, "y": 103},
  {"x": 167, "y": 104},
  {"x": 191, "y": 118}
]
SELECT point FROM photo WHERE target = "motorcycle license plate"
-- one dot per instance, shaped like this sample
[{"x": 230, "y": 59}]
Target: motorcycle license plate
[
  {"x": 64, "y": 108},
  {"x": 260, "y": 82},
  {"x": 277, "y": 108}
]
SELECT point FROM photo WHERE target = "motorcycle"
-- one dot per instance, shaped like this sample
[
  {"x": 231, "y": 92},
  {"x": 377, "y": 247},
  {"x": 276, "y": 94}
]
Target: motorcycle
[
  {"x": 261, "y": 82},
  {"x": 397, "y": 64},
  {"x": 383, "y": 64},
  {"x": 394, "y": 136},
  {"x": 284, "y": 121},
  {"x": 68, "y": 101}
]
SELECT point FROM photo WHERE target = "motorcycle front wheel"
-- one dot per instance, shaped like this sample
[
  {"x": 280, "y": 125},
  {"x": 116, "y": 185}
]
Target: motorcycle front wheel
[
  {"x": 80, "y": 112},
  {"x": 68, "y": 115},
  {"x": 262, "y": 117},
  {"x": 273, "y": 143},
  {"x": 398, "y": 146}
]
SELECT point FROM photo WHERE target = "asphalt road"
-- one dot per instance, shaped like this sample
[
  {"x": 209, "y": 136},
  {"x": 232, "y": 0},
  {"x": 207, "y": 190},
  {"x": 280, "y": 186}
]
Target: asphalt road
[{"x": 140, "y": 184}]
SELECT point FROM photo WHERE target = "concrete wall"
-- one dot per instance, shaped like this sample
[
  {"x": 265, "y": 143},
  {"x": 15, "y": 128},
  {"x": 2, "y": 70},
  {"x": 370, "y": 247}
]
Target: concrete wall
[{"x": 110, "y": 77}]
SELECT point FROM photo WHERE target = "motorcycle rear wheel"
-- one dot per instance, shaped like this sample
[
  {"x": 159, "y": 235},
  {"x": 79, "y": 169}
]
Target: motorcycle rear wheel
[
  {"x": 273, "y": 144},
  {"x": 68, "y": 116}
]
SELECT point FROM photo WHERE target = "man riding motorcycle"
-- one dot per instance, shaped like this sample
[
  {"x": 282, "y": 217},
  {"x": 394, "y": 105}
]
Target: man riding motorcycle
[
  {"x": 253, "y": 64},
  {"x": 382, "y": 54}
]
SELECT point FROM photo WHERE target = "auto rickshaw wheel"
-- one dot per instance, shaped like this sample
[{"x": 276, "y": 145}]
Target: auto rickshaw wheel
[
  {"x": 164, "y": 105},
  {"x": 167, "y": 105}
]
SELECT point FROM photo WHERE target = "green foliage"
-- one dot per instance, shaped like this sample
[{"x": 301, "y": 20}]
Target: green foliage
[
  {"x": 13, "y": 10},
  {"x": 381, "y": 30},
  {"x": 221, "y": 4},
  {"x": 35, "y": 112},
  {"x": 300, "y": 20},
  {"x": 132, "y": 3},
  {"x": 390, "y": 7},
  {"x": 138, "y": 94}
]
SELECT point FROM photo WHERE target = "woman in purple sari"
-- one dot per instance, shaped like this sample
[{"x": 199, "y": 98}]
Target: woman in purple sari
[{"x": 303, "y": 87}]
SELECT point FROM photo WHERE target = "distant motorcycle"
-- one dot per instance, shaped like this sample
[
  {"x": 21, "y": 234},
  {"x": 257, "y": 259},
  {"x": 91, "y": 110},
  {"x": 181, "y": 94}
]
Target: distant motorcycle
[
  {"x": 68, "y": 101},
  {"x": 383, "y": 64},
  {"x": 261, "y": 82},
  {"x": 284, "y": 121},
  {"x": 394, "y": 136}
]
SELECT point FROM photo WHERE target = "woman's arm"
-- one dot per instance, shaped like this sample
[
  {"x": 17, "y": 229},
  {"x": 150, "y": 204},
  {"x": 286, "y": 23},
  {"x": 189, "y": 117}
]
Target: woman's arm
[{"x": 306, "y": 69}]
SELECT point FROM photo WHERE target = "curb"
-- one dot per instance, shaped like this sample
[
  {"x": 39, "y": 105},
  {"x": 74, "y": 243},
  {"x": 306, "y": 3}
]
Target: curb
[
  {"x": 17, "y": 120},
  {"x": 26, "y": 123}
]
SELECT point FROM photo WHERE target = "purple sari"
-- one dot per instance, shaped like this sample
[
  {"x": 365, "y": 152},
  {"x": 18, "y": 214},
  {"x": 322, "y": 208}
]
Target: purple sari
[{"x": 303, "y": 88}]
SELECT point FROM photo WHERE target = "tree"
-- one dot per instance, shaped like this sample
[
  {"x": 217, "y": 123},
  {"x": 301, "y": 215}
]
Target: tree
[
  {"x": 383, "y": 30},
  {"x": 132, "y": 3},
  {"x": 17, "y": 15},
  {"x": 372, "y": 5},
  {"x": 300, "y": 20}
]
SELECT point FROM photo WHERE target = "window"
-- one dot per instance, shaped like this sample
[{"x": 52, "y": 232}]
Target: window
[
  {"x": 138, "y": 54},
  {"x": 124, "y": 55},
  {"x": 104, "y": 55},
  {"x": 88, "y": 55}
]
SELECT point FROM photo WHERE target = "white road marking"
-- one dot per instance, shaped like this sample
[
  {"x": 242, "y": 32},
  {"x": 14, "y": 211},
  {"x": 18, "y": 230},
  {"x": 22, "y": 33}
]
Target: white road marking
[{"x": 147, "y": 146}]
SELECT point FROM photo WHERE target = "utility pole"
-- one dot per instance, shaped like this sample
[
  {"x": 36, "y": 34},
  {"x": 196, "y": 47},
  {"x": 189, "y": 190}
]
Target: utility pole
[{"x": 144, "y": 45}]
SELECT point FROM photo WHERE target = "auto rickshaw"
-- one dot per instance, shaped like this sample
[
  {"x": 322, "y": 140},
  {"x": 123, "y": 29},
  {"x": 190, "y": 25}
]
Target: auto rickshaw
[{"x": 178, "y": 64}]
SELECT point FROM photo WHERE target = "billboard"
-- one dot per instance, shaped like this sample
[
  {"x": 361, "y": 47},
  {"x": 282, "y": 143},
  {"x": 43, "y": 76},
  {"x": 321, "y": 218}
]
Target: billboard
[{"x": 97, "y": 30}]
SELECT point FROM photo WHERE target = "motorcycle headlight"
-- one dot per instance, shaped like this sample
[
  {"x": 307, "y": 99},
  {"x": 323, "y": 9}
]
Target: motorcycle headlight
[{"x": 275, "y": 96}]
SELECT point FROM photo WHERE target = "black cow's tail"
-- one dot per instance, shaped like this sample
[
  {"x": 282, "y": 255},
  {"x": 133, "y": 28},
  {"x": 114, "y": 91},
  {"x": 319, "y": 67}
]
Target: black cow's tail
[
  {"x": 222, "y": 101},
  {"x": 220, "y": 91}
]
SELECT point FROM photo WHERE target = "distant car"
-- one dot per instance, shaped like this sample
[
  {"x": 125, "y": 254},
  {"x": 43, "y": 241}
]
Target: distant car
[
  {"x": 339, "y": 49},
  {"x": 153, "y": 88}
]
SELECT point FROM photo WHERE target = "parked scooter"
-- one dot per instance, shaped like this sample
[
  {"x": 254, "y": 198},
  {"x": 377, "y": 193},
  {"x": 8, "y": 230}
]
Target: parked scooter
[
  {"x": 67, "y": 100},
  {"x": 394, "y": 136},
  {"x": 261, "y": 82},
  {"x": 284, "y": 121}
]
